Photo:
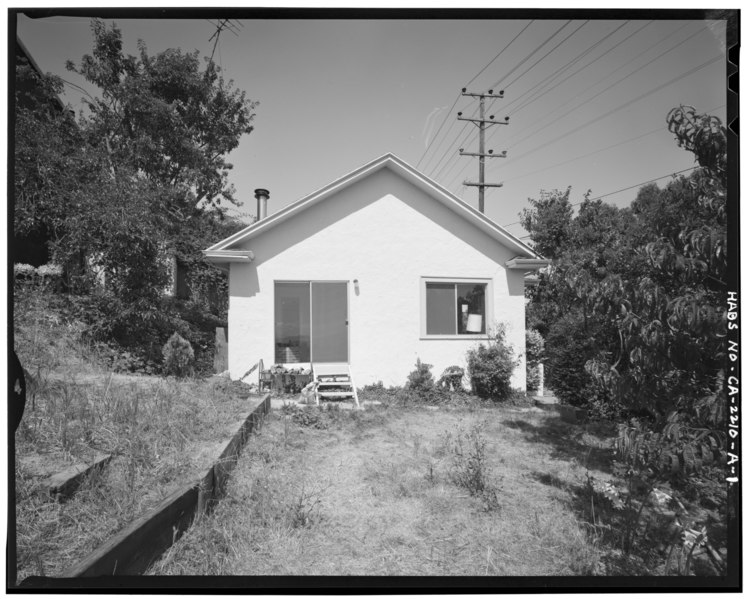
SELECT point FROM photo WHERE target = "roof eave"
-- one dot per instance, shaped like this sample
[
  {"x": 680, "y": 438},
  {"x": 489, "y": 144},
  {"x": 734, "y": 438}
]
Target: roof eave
[
  {"x": 519, "y": 263},
  {"x": 226, "y": 256},
  {"x": 479, "y": 219}
]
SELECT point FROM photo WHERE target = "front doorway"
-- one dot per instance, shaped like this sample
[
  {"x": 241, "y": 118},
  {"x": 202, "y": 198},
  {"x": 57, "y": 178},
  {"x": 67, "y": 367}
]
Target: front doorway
[{"x": 311, "y": 321}]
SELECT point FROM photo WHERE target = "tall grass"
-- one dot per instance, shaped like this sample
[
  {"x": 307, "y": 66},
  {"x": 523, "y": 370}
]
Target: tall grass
[
  {"x": 162, "y": 433},
  {"x": 384, "y": 499}
]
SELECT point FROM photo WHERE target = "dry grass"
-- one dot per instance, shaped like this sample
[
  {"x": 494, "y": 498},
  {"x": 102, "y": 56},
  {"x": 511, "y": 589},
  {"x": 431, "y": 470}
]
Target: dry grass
[
  {"x": 162, "y": 438},
  {"x": 384, "y": 492},
  {"x": 163, "y": 433}
]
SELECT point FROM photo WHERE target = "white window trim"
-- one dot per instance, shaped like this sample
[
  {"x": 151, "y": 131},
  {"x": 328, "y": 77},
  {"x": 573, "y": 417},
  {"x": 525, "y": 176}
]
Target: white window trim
[{"x": 488, "y": 306}]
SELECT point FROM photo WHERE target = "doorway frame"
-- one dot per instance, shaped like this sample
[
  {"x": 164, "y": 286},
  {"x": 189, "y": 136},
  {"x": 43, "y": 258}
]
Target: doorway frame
[{"x": 309, "y": 287}]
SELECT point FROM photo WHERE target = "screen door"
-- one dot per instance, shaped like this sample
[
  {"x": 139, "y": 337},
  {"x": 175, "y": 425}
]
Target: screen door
[{"x": 329, "y": 321}]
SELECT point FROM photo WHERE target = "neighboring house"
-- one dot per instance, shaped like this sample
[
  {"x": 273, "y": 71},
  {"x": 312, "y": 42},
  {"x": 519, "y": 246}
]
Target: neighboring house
[{"x": 377, "y": 269}]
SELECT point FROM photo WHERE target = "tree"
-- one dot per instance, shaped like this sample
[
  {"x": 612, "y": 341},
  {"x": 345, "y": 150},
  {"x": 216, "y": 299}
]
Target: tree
[
  {"x": 51, "y": 162},
  {"x": 671, "y": 315},
  {"x": 165, "y": 118},
  {"x": 142, "y": 174},
  {"x": 548, "y": 221}
]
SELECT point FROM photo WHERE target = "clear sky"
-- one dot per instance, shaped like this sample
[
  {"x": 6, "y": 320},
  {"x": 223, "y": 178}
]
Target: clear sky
[{"x": 335, "y": 94}]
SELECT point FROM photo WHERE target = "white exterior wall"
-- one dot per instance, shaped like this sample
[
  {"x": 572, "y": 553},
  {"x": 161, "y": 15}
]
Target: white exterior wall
[{"x": 388, "y": 234}]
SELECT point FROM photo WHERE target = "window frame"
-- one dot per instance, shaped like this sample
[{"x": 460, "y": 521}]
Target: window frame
[{"x": 488, "y": 306}]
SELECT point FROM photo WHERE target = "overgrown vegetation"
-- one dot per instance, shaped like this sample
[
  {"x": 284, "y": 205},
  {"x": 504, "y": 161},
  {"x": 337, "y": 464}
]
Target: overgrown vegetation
[
  {"x": 490, "y": 367},
  {"x": 178, "y": 356},
  {"x": 411, "y": 491},
  {"x": 633, "y": 311},
  {"x": 137, "y": 180},
  {"x": 534, "y": 356},
  {"x": 162, "y": 433}
]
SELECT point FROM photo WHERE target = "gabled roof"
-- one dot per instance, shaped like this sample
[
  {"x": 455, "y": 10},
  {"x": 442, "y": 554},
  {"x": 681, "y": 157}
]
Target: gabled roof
[{"x": 407, "y": 172}]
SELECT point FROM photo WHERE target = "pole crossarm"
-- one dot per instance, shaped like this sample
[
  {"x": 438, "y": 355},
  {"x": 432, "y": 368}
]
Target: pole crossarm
[
  {"x": 474, "y": 184},
  {"x": 489, "y": 95},
  {"x": 482, "y": 123},
  {"x": 502, "y": 154},
  {"x": 486, "y": 121}
]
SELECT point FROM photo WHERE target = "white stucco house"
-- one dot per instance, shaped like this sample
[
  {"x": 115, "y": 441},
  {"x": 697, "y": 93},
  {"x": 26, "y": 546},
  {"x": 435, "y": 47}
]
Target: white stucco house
[{"x": 378, "y": 268}]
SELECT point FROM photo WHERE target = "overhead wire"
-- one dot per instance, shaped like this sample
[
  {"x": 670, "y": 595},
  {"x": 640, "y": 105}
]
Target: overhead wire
[
  {"x": 611, "y": 193},
  {"x": 562, "y": 69},
  {"x": 584, "y": 23},
  {"x": 476, "y": 76},
  {"x": 522, "y": 62},
  {"x": 447, "y": 114},
  {"x": 529, "y": 101},
  {"x": 598, "y": 151},
  {"x": 565, "y": 67},
  {"x": 627, "y": 189},
  {"x": 517, "y": 66},
  {"x": 551, "y": 114},
  {"x": 620, "y": 107}
]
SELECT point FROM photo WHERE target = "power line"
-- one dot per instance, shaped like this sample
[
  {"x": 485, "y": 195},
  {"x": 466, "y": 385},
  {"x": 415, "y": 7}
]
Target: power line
[
  {"x": 622, "y": 106},
  {"x": 621, "y": 143},
  {"x": 500, "y": 53},
  {"x": 542, "y": 127},
  {"x": 539, "y": 96},
  {"x": 457, "y": 97},
  {"x": 605, "y": 195},
  {"x": 549, "y": 52},
  {"x": 548, "y": 79},
  {"x": 612, "y": 146},
  {"x": 522, "y": 62},
  {"x": 517, "y": 66},
  {"x": 540, "y": 59}
]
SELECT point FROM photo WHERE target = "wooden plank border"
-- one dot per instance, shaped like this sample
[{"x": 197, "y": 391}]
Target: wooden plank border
[
  {"x": 63, "y": 485},
  {"x": 132, "y": 550}
]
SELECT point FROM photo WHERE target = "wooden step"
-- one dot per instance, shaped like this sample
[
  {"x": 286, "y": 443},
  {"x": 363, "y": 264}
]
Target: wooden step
[
  {"x": 335, "y": 393},
  {"x": 334, "y": 376}
]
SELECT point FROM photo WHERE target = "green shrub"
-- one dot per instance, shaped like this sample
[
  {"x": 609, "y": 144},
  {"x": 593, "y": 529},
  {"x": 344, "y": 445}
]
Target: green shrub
[
  {"x": 490, "y": 368},
  {"x": 568, "y": 347},
  {"x": 421, "y": 381},
  {"x": 377, "y": 392},
  {"x": 534, "y": 351},
  {"x": 534, "y": 346},
  {"x": 179, "y": 358}
]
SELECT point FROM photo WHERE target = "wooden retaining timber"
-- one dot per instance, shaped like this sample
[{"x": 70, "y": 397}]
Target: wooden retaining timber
[
  {"x": 63, "y": 485},
  {"x": 132, "y": 550}
]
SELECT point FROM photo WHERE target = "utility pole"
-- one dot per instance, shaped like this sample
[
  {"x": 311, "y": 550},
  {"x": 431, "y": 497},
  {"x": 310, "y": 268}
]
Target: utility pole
[{"x": 482, "y": 124}]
